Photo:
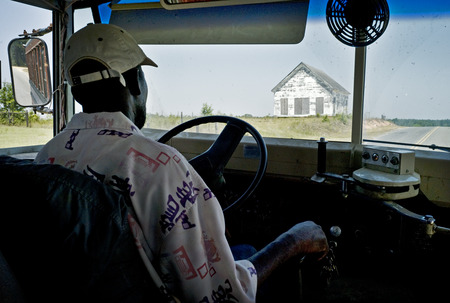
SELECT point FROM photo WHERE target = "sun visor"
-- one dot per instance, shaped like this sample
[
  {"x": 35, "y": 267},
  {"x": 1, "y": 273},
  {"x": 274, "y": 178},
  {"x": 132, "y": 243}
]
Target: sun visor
[{"x": 267, "y": 23}]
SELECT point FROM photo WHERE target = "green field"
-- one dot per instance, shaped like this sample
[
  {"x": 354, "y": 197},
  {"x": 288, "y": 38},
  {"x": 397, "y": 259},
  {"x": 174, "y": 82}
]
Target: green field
[
  {"x": 336, "y": 128},
  {"x": 13, "y": 136},
  {"x": 332, "y": 128}
]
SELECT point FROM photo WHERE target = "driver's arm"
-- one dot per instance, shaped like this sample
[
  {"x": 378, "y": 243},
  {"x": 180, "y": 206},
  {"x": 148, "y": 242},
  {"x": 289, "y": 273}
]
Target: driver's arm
[{"x": 302, "y": 239}]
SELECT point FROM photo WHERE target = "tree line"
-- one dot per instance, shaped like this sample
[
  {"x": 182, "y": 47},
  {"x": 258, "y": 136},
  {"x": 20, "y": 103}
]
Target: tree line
[
  {"x": 420, "y": 122},
  {"x": 12, "y": 113}
]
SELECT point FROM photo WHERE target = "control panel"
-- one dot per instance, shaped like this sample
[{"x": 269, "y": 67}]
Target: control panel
[{"x": 394, "y": 161}]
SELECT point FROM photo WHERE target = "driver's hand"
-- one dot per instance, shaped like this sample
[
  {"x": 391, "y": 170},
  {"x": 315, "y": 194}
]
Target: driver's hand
[{"x": 308, "y": 238}]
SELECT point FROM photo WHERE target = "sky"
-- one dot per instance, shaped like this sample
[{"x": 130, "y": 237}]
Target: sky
[{"x": 407, "y": 68}]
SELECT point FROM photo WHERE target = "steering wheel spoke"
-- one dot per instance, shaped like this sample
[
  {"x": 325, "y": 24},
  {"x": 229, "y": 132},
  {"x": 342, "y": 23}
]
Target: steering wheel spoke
[{"x": 222, "y": 149}]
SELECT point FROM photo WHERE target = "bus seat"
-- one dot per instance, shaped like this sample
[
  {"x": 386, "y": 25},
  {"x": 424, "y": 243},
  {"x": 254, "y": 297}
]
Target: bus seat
[
  {"x": 10, "y": 290},
  {"x": 65, "y": 238}
]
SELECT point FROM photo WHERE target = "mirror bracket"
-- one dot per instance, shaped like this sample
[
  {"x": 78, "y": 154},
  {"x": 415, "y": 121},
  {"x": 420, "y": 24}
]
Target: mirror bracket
[
  {"x": 37, "y": 32},
  {"x": 43, "y": 110}
]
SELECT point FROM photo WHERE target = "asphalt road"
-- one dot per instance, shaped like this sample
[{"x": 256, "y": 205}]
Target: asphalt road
[
  {"x": 22, "y": 85},
  {"x": 437, "y": 135}
]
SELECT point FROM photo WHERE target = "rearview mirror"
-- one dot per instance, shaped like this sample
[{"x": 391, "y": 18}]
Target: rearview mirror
[{"x": 30, "y": 72}]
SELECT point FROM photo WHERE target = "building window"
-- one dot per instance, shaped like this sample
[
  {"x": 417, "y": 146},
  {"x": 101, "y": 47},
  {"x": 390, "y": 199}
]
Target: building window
[
  {"x": 319, "y": 105},
  {"x": 284, "y": 106},
  {"x": 301, "y": 106}
]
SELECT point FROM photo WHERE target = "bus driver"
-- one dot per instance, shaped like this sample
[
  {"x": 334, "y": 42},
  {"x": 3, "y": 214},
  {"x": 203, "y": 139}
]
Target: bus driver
[{"x": 177, "y": 221}]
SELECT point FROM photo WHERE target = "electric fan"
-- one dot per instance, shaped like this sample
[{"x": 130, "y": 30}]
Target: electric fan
[{"x": 357, "y": 22}]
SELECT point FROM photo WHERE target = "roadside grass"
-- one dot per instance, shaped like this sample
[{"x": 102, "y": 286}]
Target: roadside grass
[
  {"x": 336, "y": 128},
  {"x": 15, "y": 136},
  {"x": 332, "y": 128},
  {"x": 377, "y": 127}
]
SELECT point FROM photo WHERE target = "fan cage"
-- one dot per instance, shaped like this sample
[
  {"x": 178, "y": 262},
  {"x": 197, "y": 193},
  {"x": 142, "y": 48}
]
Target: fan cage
[{"x": 350, "y": 34}]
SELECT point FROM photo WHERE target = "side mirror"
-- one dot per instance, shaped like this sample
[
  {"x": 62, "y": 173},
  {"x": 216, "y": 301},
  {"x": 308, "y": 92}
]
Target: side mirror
[{"x": 30, "y": 72}]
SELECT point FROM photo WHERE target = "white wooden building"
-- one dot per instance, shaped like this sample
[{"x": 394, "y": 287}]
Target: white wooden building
[{"x": 307, "y": 91}]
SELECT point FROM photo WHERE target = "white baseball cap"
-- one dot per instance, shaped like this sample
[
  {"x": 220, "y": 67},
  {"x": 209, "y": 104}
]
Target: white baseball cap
[{"x": 108, "y": 44}]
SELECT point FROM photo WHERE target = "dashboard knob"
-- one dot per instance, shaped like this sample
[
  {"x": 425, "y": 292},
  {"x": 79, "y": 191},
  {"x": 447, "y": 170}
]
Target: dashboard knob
[
  {"x": 394, "y": 160},
  {"x": 335, "y": 231},
  {"x": 375, "y": 157},
  {"x": 366, "y": 155}
]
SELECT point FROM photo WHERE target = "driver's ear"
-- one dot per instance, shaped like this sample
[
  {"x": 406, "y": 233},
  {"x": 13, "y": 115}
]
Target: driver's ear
[{"x": 132, "y": 80}]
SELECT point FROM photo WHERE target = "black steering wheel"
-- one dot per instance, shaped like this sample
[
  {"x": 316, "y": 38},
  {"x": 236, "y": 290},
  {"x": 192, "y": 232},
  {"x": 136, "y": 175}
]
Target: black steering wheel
[{"x": 211, "y": 163}]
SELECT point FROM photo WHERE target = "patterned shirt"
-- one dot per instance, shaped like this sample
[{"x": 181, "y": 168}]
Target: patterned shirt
[{"x": 182, "y": 223}]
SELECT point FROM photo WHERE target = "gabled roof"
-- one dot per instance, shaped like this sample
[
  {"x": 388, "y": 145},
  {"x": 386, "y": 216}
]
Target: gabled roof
[{"x": 326, "y": 81}]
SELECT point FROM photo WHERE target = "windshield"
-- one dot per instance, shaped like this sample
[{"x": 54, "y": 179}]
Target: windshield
[
  {"x": 405, "y": 89},
  {"x": 248, "y": 81}
]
